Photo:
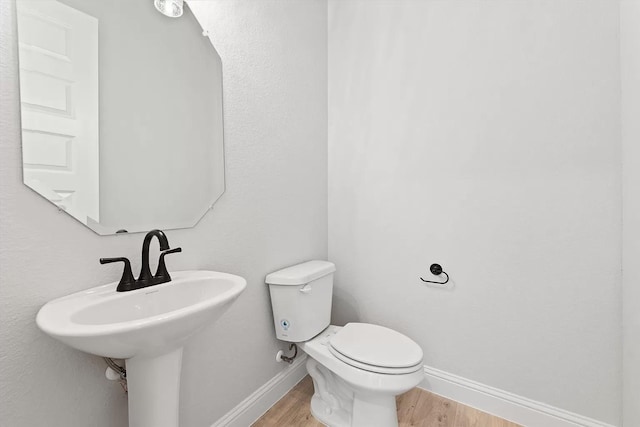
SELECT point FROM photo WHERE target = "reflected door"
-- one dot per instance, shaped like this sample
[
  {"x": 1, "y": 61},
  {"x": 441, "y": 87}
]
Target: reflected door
[{"x": 59, "y": 93}]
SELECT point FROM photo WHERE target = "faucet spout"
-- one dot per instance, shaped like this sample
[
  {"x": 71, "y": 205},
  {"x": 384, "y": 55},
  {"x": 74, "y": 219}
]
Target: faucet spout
[{"x": 145, "y": 272}]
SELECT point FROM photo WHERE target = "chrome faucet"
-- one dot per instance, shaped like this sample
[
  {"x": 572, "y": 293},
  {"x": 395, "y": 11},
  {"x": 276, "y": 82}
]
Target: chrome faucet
[{"x": 127, "y": 282}]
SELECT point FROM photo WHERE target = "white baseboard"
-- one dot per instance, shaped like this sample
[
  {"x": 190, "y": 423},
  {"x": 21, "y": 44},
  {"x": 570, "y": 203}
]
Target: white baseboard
[
  {"x": 503, "y": 404},
  {"x": 254, "y": 406},
  {"x": 509, "y": 406}
]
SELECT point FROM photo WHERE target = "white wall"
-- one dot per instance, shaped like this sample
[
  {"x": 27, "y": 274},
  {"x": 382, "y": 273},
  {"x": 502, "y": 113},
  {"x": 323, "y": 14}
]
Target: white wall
[
  {"x": 630, "y": 55},
  {"x": 273, "y": 214},
  {"x": 483, "y": 135}
]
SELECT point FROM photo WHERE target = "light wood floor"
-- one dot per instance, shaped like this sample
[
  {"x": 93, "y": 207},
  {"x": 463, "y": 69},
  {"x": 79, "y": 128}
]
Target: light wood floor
[{"x": 416, "y": 407}]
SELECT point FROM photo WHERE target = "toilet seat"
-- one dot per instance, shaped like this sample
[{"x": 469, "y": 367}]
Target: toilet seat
[
  {"x": 376, "y": 349},
  {"x": 319, "y": 350},
  {"x": 373, "y": 368}
]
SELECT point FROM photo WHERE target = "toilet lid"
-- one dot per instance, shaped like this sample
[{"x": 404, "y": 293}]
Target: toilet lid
[{"x": 375, "y": 345}]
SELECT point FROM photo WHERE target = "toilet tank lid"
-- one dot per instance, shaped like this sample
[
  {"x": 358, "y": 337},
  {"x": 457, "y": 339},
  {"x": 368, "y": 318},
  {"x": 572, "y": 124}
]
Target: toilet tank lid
[{"x": 301, "y": 274}]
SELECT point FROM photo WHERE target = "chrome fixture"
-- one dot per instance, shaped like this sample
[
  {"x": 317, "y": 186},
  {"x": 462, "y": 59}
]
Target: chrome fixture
[
  {"x": 170, "y": 8},
  {"x": 280, "y": 357}
]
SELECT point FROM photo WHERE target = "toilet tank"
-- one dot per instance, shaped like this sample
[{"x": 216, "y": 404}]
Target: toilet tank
[{"x": 301, "y": 299}]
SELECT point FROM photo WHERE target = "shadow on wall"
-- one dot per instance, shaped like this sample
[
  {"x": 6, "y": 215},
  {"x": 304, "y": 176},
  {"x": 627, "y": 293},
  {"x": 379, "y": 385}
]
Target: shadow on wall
[{"x": 345, "y": 308}]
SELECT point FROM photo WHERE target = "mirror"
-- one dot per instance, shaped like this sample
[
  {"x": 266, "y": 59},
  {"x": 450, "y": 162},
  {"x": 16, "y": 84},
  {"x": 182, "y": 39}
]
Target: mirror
[{"x": 121, "y": 113}]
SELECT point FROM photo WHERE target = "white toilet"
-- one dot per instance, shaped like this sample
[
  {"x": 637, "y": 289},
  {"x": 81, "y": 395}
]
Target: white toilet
[{"x": 358, "y": 369}]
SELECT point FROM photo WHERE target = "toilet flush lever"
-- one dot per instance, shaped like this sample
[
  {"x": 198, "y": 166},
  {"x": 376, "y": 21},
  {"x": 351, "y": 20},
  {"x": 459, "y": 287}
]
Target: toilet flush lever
[{"x": 306, "y": 289}]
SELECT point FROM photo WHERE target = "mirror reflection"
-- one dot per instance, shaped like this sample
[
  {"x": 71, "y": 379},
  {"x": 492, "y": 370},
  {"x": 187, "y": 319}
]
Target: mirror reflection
[{"x": 121, "y": 113}]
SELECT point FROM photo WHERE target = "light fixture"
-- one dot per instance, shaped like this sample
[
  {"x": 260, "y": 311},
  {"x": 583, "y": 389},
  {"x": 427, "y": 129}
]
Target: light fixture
[{"x": 170, "y": 8}]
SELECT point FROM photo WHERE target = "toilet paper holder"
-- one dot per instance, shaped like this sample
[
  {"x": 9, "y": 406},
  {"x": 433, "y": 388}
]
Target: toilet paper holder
[{"x": 436, "y": 270}]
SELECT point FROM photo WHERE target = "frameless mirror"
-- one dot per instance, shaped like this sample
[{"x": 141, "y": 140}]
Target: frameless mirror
[{"x": 121, "y": 113}]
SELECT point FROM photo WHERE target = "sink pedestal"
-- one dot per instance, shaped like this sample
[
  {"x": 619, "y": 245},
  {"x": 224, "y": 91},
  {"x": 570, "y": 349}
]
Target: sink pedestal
[{"x": 154, "y": 389}]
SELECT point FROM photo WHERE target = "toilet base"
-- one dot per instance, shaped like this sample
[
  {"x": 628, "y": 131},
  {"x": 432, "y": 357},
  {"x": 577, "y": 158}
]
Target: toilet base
[
  {"x": 338, "y": 404},
  {"x": 332, "y": 401},
  {"x": 376, "y": 410},
  {"x": 323, "y": 413}
]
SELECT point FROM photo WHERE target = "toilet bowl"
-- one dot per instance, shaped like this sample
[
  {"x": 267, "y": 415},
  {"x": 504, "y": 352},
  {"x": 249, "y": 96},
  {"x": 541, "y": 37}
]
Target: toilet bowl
[
  {"x": 358, "y": 369},
  {"x": 350, "y": 392}
]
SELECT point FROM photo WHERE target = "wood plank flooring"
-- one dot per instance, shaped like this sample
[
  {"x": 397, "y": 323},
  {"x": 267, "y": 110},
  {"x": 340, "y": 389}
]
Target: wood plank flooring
[{"x": 416, "y": 407}]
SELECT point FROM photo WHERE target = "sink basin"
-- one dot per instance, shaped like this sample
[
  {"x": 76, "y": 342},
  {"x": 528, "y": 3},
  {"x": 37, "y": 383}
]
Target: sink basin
[
  {"x": 148, "y": 327},
  {"x": 146, "y": 321}
]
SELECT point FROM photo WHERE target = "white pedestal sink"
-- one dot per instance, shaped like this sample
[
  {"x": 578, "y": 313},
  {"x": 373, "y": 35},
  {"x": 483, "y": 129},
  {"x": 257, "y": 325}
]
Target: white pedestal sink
[{"x": 148, "y": 328}]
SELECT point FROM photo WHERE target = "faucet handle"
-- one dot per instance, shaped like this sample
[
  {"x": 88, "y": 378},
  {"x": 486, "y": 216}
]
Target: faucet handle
[
  {"x": 162, "y": 274},
  {"x": 127, "y": 281}
]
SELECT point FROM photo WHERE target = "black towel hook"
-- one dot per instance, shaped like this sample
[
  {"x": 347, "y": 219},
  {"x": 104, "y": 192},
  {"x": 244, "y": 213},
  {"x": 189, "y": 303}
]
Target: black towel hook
[{"x": 436, "y": 269}]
